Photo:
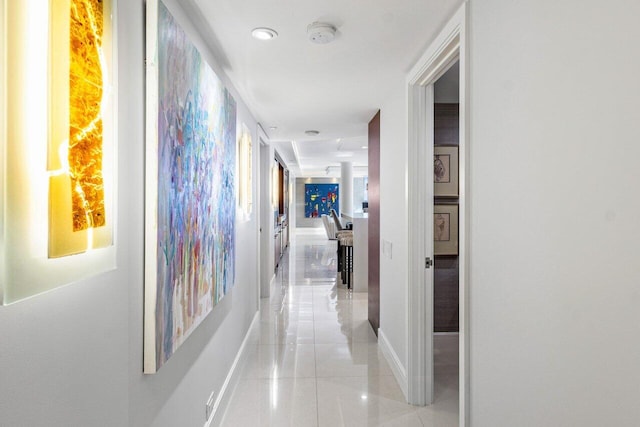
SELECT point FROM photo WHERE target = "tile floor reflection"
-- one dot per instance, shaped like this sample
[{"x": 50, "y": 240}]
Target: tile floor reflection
[{"x": 313, "y": 359}]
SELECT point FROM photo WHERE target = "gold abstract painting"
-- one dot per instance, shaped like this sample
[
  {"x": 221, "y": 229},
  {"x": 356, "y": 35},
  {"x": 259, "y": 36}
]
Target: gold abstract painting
[{"x": 78, "y": 88}]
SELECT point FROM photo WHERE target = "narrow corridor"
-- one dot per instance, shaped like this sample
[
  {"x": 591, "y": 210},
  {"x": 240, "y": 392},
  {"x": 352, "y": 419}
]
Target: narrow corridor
[{"x": 313, "y": 359}]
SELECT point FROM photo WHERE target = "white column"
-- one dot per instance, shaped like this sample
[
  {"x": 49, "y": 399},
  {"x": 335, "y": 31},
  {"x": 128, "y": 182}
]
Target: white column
[{"x": 346, "y": 188}]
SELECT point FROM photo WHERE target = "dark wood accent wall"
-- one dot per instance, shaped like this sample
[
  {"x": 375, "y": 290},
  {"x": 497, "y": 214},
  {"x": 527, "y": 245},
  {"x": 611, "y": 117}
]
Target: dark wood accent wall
[
  {"x": 446, "y": 270},
  {"x": 446, "y": 127},
  {"x": 446, "y": 294},
  {"x": 374, "y": 222},
  {"x": 281, "y": 189}
]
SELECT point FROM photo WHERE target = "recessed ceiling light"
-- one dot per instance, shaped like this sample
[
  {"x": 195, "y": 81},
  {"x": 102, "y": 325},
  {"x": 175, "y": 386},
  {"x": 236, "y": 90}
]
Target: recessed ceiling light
[
  {"x": 273, "y": 127},
  {"x": 312, "y": 132},
  {"x": 321, "y": 33},
  {"x": 263, "y": 33},
  {"x": 364, "y": 147}
]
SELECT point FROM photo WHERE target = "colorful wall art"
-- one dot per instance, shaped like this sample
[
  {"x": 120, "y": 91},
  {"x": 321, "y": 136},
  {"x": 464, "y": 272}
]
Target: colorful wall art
[
  {"x": 57, "y": 144},
  {"x": 319, "y": 199},
  {"x": 191, "y": 204},
  {"x": 79, "y": 88}
]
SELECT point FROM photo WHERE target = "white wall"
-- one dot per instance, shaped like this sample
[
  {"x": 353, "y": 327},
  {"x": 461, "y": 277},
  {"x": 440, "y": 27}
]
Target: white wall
[
  {"x": 73, "y": 357},
  {"x": 393, "y": 219},
  {"x": 63, "y": 354},
  {"x": 555, "y": 283},
  {"x": 554, "y": 230}
]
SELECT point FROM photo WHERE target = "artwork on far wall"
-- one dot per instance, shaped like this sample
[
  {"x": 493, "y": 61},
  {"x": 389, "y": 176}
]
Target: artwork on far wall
[
  {"x": 190, "y": 187},
  {"x": 445, "y": 229},
  {"x": 319, "y": 199},
  {"x": 57, "y": 206},
  {"x": 245, "y": 179},
  {"x": 445, "y": 171}
]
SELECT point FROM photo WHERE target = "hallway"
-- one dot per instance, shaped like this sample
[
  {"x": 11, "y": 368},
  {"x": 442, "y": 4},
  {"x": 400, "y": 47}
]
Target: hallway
[{"x": 313, "y": 359}]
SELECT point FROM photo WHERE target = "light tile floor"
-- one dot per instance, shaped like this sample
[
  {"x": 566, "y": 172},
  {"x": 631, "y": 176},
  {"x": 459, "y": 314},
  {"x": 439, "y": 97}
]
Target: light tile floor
[{"x": 313, "y": 359}]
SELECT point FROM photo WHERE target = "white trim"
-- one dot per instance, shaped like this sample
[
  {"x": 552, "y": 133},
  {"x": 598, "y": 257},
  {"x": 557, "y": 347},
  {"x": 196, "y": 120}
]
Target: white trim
[
  {"x": 450, "y": 45},
  {"x": 151, "y": 188},
  {"x": 262, "y": 135},
  {"x": 399, "y": 371},
  {"x": 224, "y": 396},
  {"x": 464, "y": 225},
  {"x": 420, "y": 294},
  {"x": 435, "y": 61}
]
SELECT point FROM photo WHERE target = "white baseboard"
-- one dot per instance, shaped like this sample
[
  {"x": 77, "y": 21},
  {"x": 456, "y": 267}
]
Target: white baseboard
[
  {"x": 232, "y": 379},
  {"x": 399, "y": 371}
]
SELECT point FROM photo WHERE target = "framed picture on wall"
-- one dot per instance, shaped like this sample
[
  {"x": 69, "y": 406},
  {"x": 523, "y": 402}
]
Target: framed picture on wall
[
  {"x": 319, "y": 199},
  {"x": 445, "y": 171},
  {"x": 445, "y": 229}
]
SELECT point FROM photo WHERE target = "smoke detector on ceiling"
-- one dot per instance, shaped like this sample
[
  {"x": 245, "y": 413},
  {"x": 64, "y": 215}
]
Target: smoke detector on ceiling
[{"x": 321, "y": 33}]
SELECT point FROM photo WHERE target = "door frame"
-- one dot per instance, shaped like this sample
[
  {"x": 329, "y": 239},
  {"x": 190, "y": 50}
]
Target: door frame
[
  {"x": 449, "y": 46},
  {"x": 265, "y": 215}
]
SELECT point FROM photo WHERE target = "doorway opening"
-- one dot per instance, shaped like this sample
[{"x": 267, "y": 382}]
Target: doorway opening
[
  {"x": 266, "y": 216},
  {"x": 446, "y": 254},
  {"x": 436, "y": 252}
]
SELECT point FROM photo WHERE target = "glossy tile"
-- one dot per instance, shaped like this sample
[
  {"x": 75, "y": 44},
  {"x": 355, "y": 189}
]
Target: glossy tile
[
  {"x": 332, "y": 332},
  {"x": 280, "y": 361},
  {"x": 443, "y": 413},
  {"x": 361, "y": 331},
  {"x": 285, "y": 313},
  {"x": 290, "y": 332},
  {"x": 293, "y": 298},
  {"x": 364, "y": 401},
  {"x": 313, "y": 358},
  {"x": 273, "y": 402},
  {"x": 350, "y": 360}
]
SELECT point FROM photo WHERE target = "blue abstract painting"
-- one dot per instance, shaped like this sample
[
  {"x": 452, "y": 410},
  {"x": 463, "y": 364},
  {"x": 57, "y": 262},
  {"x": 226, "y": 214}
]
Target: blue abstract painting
[
  {"x": 319, "y": 199},
  {"x": 196, "y": 206}
]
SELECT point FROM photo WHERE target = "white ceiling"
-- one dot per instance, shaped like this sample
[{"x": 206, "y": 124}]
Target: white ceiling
[{"x": 295, "y": 85}]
